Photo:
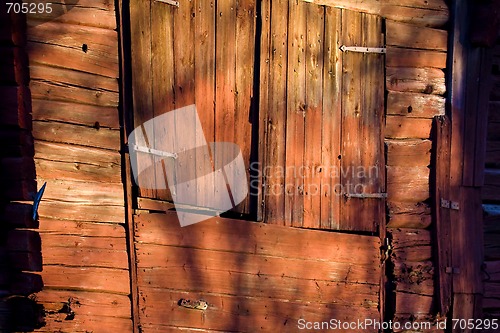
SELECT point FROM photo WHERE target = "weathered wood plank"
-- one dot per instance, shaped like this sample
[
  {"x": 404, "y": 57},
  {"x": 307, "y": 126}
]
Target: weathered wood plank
[
  {"x": 415, "y": 105},
  {"x": 57, "y": 91},
  {"x": 413, "y": 303},
  {"x": 75, "y": 228},
  {"x": 84, "y": 303},
  {"x": 77, "y": 155},
  {"x": 256, "y": 238},
  {"x": 75, "y": 134},
  {"x": 83, "y": 192},
  {"x": 410, "y": 220},
  {"x": 236, "y": 313},
  {"x": 173, "y": 258},
  {"x": 332, "y": 108},
  {"x": 313, "y": 116},
  {"x": 73, "y": 78},
  {"x": 411, "y": 245},
  {"x": 420, "y": 80},
  {"x": 88, "y": 115},
  {"x": 399, "y": 127},
  {"x": 75, "y": 242},
  {"x": 115, "y": 281},
  {"x": 424, "y": 13},
  {"x": 51, "y": 55},
  {"x": 154, "y": 205},
  {"x": 87, "y": 323},
  {"x": 84, "y": 257},
  {"x": 275, "y": 158},
  {"x": 408, "y": 153},
  {"x": 408, "y": 183},
  {"x": 86, "y": 15},
  {"x": 416, "y": 278},
  {"x": 401, "y": 57},
  {"x": 75, "y": 211},
  {"x": 415, "y": 37}
]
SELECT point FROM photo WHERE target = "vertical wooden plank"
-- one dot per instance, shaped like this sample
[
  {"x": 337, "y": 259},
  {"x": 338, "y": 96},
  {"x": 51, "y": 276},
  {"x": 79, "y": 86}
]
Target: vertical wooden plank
[
  {"x": 295, "y": 114},
  {"x": 225, "y": 55},
  {"x": 276, "y": 119},
  {"x": 362, "y": 124},
  {"x": 245, "y": 51},
  {"x": 184, "y": 92},
  {"x": 205, "y": 89},
  {"x": 332, "y": 83},
  {"x": 264, "y": 30},
  {"x": 313, "y": 115},
  {"x": 140, "y": 29},
  {"x": 162, "y": 49},
  {"x": 442, "y": 215}
]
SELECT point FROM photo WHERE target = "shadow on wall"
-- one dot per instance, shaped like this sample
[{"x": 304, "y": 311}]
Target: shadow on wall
[{"x": 20, "y": 245}]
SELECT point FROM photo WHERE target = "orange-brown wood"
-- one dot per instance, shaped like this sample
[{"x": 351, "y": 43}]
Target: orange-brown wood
[{"x": 410, "y": 79}]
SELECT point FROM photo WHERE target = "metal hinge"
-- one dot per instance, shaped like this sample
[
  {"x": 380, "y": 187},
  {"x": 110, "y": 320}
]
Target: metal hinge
[
  {"x": 452, "y": 270},
  {"x": 155, "y": 152},
  {"x": 366, "y": 195},
  {"x": 450, "y": 204},
  {"x": 363, "y": 49},
  {"x": 170, "y": 2}
]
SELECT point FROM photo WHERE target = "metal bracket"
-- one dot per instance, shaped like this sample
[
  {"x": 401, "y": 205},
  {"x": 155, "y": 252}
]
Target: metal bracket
[
  {"x": 170, "y": 2},
  {"x": 450, "y": 204},
  {"x": 366, "y": 195},
  {"x": 363, "y": 49},
  {"x": 455, "y": 205},
  {"x": 452, "y": 270},
  {"x": 155, "y": 152},
  {"x": 445, "y": 203}
]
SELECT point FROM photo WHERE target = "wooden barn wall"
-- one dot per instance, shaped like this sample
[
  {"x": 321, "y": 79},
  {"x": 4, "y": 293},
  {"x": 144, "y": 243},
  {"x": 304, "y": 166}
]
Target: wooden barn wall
[
  {"x": 20, "y": 254},
  {"x": 491, "y": 197},
  {"x": 416, "y": 40},
  {"x": 74, "y": 70}
]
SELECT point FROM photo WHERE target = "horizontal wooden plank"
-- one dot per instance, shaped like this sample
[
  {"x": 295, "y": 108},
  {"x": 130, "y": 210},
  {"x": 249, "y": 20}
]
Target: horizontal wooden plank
[
  {"x": 399, "y": 127},
  {"x": 416, "y": 278},
  {"x": 76, "y": 134},
  {"x": 87, "y": 278},
  {"x": 83, "y": 192},
  {"x": 408, "y": 153},
  {"x": 409, "y": 220},
  {"x": 68, "y": 93},
  {"x": 84, "y": 257},
  {"x": 413, "y": 303},
  {"x": 419, "y": 80},
  {"x": 402, "y": 57},
  {"x": 223, "y": 281},
  {"x": 66, "y": 57},
  {"x": 154, "y": 205},
  {"x": 77, "y": 241},
  {"x": 77, "y": 154},
  {"x": 491, "y": 188},
  {"x": 86, "y": 323},
  {"x": 411, "y": 245},
  {"x": 408, "y": 183},
  {"x": 170, "y": 257},
  {"x": 397, "y": 207},
  {"x": 424, "y": 13},
  {"x": 238, "y": 314},
  {"x": 48, "y": 169},
  {"x": 98, "y": 14},
  {"x": 257, "y": 238},
  {"x": 415, "y": 37},
  {"x": 25, "y": 283},
  {"x": 74, "y": 211},
  {"x": 73, "y": 78},
  {"x": 88, "y": 229},
  {"x": 83, "y": 38},
  {"x": 84, "y": 303},
  {"x": 415, "y": 105}
]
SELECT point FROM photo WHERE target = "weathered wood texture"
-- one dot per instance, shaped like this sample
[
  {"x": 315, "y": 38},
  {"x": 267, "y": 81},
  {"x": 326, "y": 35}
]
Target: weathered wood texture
[
  {"x": 74, "y": 83},
  {"x": 253, "y": 275}
]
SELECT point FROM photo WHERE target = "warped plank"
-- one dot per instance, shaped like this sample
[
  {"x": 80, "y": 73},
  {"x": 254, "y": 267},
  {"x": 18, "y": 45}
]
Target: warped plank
[
  {"x": 87, "y": 229},
  {"x": 410, "y": 220},
  {"x": 88, "y": 115},
  {"x": 408, "y": 183},
  {"x": 414, "y": 37},
  {"x": 415, "y": 105},
  {"x": 399, "y": 127},
  {"x": 109, "y": 280},
  {"x": 408, "y": 153},
  {"x": 83, "y": 192},
  {"x": 420, "y": 80},
  {"x": 89, "y": 15},
  {"x": 75, "y": 134},
  {"x": 402, "y": 57},
  {"x": 44, "y": 89},
  {"x": 236, "y": 313},
  {"x": 77, "y": 154},
  {"x": 424, "y": 13},
  {"x": 411, "y": 245},
  {"x": 256, "y": 238}
]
